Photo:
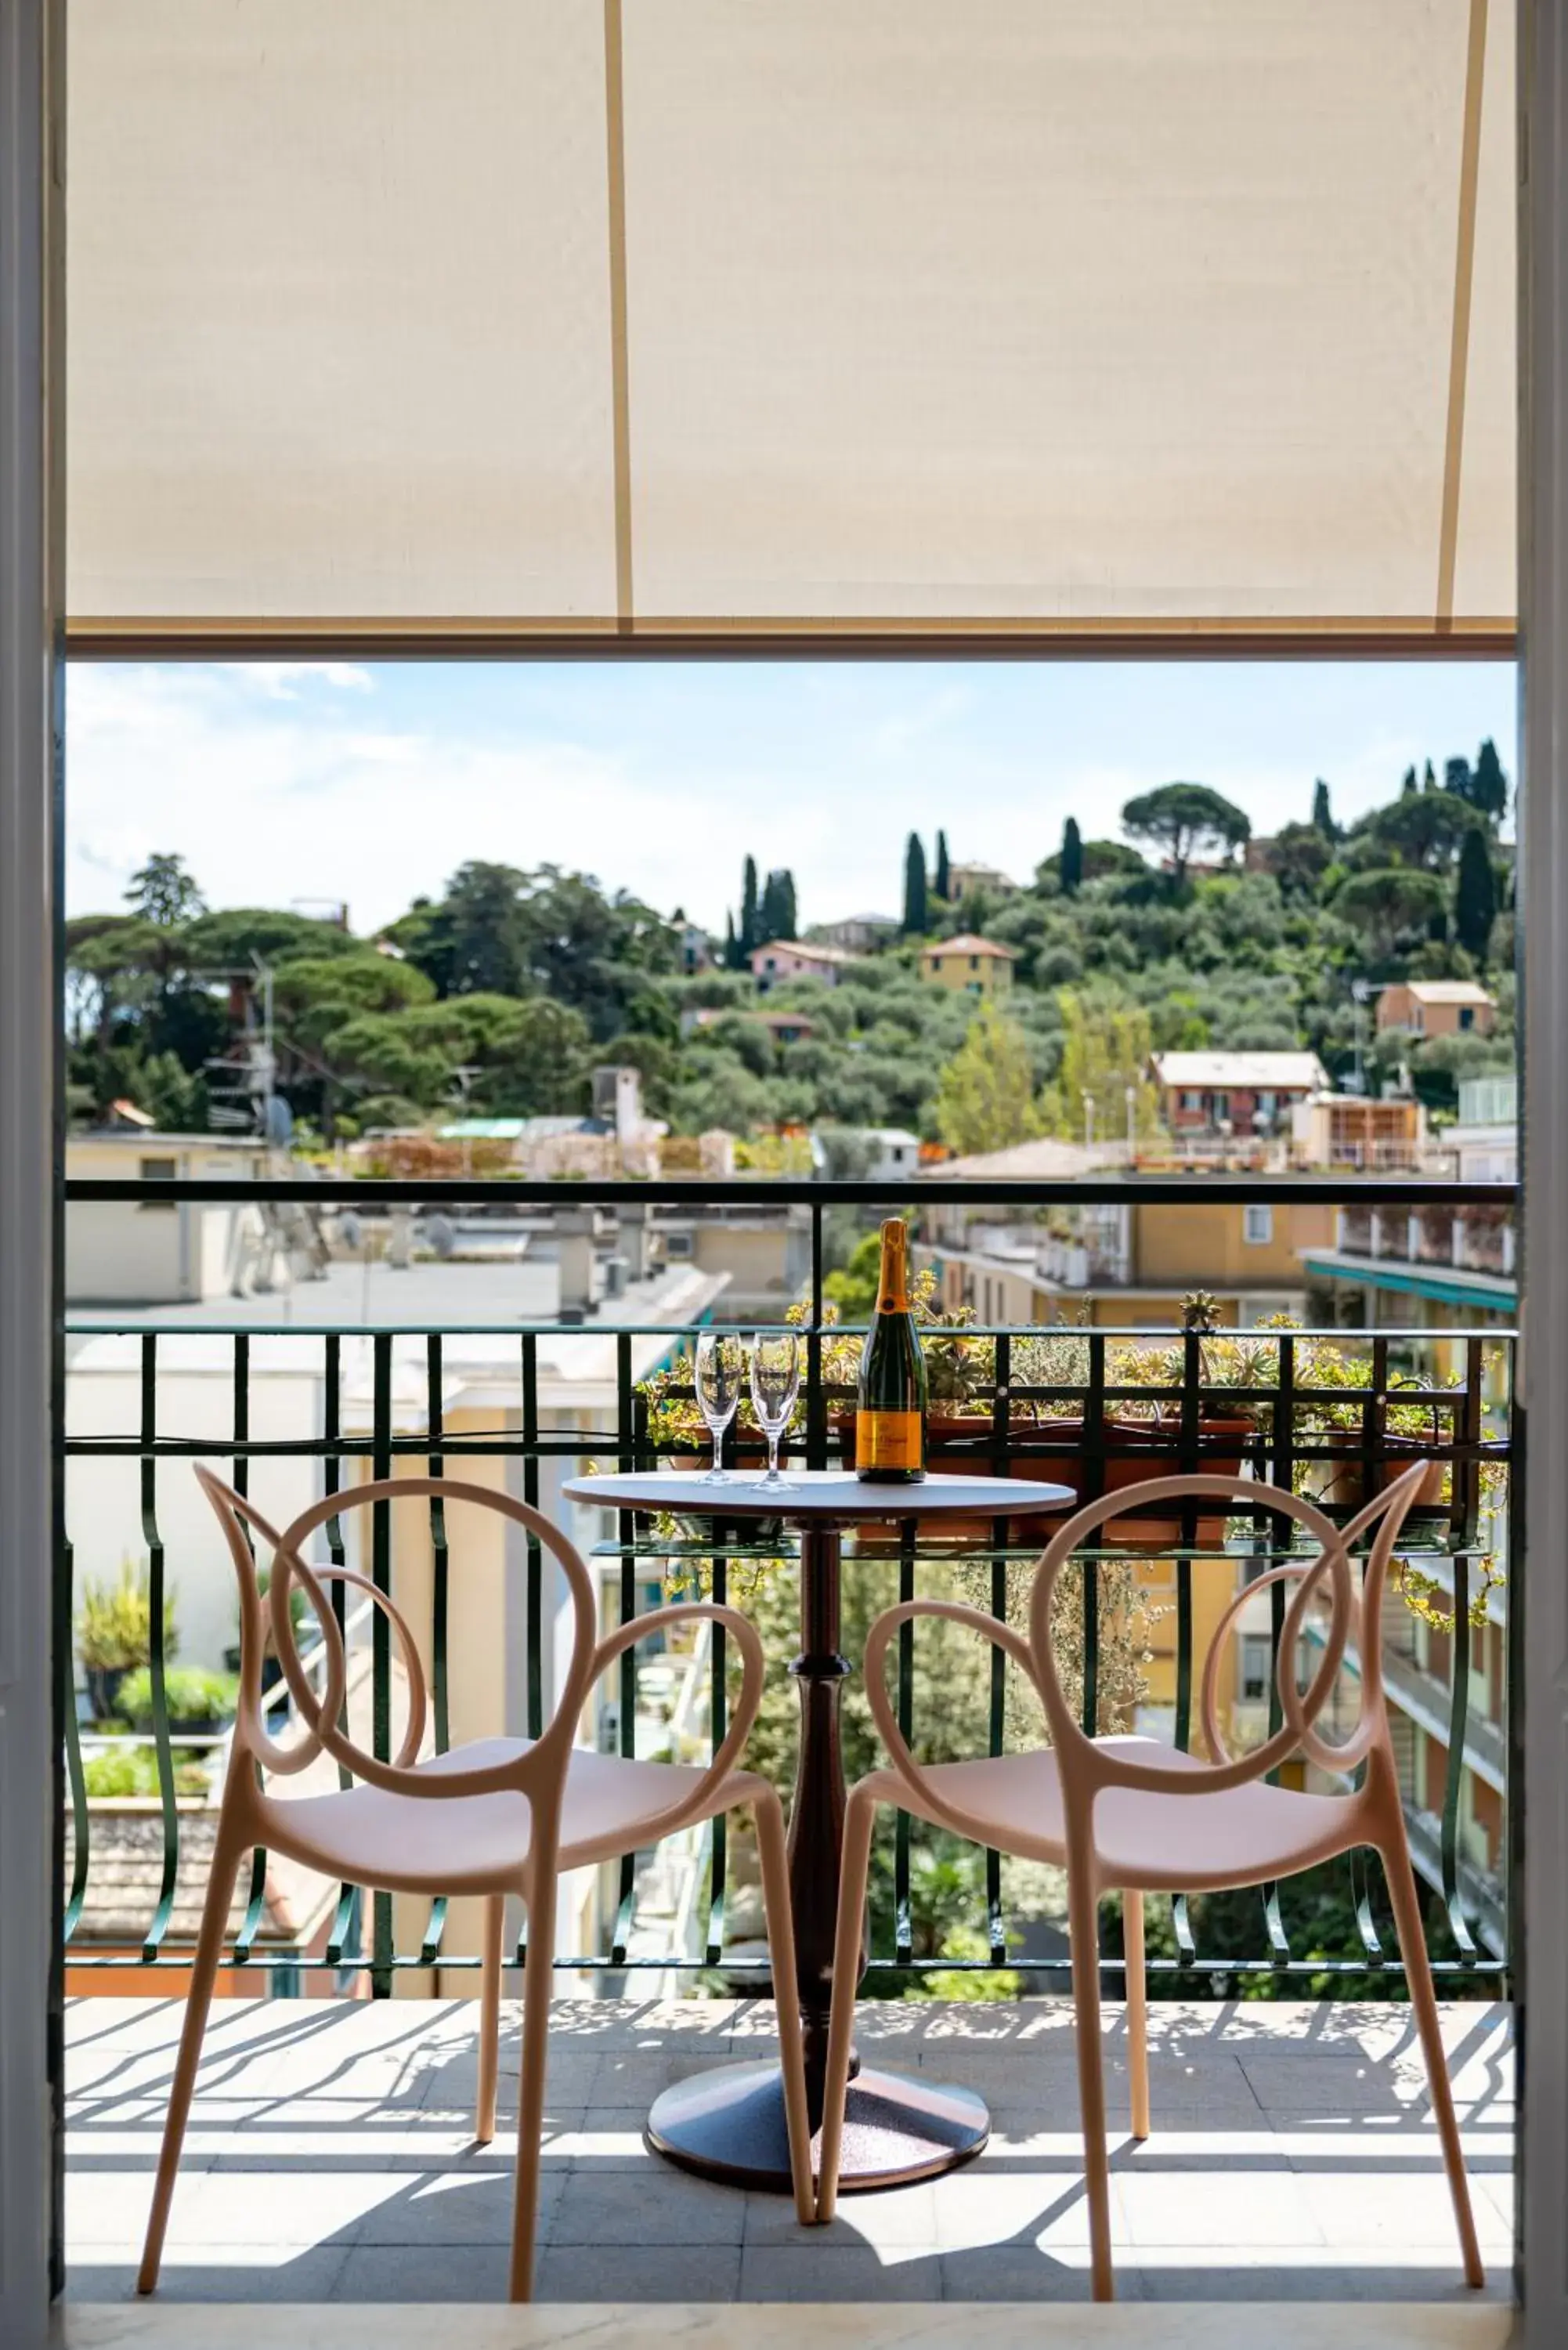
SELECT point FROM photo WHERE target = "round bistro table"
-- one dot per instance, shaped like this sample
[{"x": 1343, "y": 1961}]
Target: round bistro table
[{"x": 729, "y": 2124}]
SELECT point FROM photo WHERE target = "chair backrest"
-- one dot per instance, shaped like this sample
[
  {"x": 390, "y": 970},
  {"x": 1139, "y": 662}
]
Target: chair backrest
[
  {"x": 320, "y": 1715},
  {"x": 1354, "y": 1616}
]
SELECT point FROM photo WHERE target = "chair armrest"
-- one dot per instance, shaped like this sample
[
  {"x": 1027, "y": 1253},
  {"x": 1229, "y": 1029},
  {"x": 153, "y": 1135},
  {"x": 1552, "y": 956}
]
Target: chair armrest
[
  {"x": 953, "y": 1611},
  {"x": 699, "y": 1801},
  {"x": 1086, "y": 1765}
]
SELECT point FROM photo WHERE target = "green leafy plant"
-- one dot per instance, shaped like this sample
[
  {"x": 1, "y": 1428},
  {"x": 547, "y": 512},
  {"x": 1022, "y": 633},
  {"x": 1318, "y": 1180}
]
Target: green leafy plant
[
  {"x": 114, "y": 1623},
  {"x": 128, "y": 1770},
  {"x": 190, "y": 1693}
]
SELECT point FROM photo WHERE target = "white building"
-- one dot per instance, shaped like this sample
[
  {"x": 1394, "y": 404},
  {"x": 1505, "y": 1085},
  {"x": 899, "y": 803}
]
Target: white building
[
  {"x": 171, "y": 1253},
  {"x": 976, "y": 879},
  {"x": 855, "y": 933},
  {"x": 1484, "y": 1139},
  {"x": 898, "y": 1153}
]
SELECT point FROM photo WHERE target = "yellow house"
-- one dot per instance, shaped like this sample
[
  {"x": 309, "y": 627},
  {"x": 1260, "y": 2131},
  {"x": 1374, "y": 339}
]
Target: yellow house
[
  {"x": 1224, "y": 1244},
  {"x": 1214, "y": 1583},
  {"x": 975, "y": 966},
  {"x": 1125, "y": 1267}
]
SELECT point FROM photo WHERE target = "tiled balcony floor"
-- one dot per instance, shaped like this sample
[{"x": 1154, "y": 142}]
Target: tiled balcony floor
[{"x": 330, "y": 2158}]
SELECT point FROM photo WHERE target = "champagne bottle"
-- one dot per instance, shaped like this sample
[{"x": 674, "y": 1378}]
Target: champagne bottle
[{"x": 890, "y": 1402}]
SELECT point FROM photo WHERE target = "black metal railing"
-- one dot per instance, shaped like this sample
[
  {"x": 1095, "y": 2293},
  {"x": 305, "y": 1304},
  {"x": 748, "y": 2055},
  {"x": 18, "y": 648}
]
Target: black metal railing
[{"x": 1305, "y": 1426}]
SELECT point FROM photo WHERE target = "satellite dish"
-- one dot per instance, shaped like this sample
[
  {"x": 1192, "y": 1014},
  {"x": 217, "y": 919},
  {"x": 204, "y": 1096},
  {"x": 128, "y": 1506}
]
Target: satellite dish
[
  {"x": 350, "y": 1231},
  {"x": 279, "y": 1122},
  {"x": 439, "y": 1235}
]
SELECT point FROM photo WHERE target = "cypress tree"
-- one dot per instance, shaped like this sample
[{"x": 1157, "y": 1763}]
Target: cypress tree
[
  {"x": 1458, "y": 779},
  {"x": 1322, "y": 815},
  {"x": 733, "y": 958},
  {"x": 1475, "y": 895},
  {"x": 1428, "y": 778},
  {"x": 1489, "y": 784},
  {"x": 943, "y": 872},
  {"x": 915, "y": 912},
  {"x": 775, "y": 918},
  {"x": 1409, "y": 785},
  {"x": 1071, "y": 858},
  {"x": 749, "y": 934}
]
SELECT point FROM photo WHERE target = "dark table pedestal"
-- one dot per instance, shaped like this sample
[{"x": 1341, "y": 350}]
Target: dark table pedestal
[{"x": 729, "y": 2123}]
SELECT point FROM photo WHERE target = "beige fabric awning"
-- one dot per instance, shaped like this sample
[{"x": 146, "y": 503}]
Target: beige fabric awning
[{"x": 1047, "y": 321}]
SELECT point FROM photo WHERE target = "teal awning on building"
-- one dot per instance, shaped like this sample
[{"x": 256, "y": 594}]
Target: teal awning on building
[{"x": 1446, "y": 1286}]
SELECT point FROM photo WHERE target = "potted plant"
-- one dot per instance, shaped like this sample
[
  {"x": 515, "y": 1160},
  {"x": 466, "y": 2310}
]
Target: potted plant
[
  {"x": 1148, "y": 1437},
  {"x": 125, "y": 1774},
  {"x": 114, "y": 1633},
  {"x": 1048, "y": 1440},
  {"x": 196, "y": 1700},
  {"x": 1336, "y": 1475}
]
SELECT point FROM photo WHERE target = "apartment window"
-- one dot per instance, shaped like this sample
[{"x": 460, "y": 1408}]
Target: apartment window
[
  {"x": 1192, "y": 1101},
  {"x": 974, "y": 963},
  {"x": 1257, "y": 1657},
  {"x": 158, "y": 1170},
  {"x": 1418, "y": 1020},
  {"x": 1466, "y": 1016},
  {"x": 1257, "y": 1226}
]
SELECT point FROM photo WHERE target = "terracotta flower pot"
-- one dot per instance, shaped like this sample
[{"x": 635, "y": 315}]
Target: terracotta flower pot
[
  {"x": 1342, "y": 1469},
  {"x": 1222, "y": 1442},
  {"x": 1052, "y": 1452}
]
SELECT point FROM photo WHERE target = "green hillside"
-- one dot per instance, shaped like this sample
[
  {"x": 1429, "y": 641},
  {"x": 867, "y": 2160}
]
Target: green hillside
[{"x": 523, "y": 981}]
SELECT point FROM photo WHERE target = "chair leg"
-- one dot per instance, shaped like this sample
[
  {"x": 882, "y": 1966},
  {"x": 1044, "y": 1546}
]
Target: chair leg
[
  {"x": 204, "y": 1973},
  {"x": 536, "y": 1984},
  {"x": 856, "y": 1867},
  {"x": 786, "y": 1997},
  {"x": 1402, "y": 1893},
  {"x": 1083, "y": 1926},
  {"x": 490, "y": 2018},
  {"x": 1138, "y": 2011}
]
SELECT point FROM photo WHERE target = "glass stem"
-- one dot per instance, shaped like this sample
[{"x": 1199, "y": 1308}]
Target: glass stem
[{"x": 773, "y": 1435}]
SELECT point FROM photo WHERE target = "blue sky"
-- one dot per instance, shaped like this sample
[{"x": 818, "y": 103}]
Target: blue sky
[{"x": 281, "y": 782}]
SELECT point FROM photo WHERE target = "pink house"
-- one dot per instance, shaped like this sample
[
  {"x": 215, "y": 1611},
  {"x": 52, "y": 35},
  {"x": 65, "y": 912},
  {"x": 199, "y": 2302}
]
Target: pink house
[{"x": 790, "y": 959}]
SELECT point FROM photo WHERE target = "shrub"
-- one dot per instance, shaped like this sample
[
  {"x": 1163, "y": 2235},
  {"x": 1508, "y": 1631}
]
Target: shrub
[
  {"x": 114, "y": 1626},
  {"x": 133, "y": 1771},
  {"x": 191, "y": 1694}
]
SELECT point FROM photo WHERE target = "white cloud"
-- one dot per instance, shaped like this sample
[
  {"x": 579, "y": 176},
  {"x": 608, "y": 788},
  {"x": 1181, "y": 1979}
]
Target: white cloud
[
  {"x": 311, "y": 780},
  {"x": 270, "y": 805},
  {"x": 280, "y": 681}
]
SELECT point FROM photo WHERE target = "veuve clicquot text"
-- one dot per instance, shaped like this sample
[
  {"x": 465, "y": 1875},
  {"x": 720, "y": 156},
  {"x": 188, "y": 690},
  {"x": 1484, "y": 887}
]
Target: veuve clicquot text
[{"x": 890, "y": 1402}]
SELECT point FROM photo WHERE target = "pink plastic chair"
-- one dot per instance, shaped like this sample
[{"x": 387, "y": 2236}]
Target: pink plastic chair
[
  {"x": 1123, "y": 1812},
  {"x": 497, "y": 1816}
]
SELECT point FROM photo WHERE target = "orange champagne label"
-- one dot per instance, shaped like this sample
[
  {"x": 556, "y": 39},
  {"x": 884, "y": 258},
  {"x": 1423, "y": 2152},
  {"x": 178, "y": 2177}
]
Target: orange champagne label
[{"x": 888, "y": 1439}]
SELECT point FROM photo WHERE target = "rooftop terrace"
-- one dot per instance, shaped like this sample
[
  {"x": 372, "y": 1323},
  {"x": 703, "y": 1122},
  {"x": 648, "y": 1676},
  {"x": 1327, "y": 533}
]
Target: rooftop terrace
[{"x": 330, "y": 2159}]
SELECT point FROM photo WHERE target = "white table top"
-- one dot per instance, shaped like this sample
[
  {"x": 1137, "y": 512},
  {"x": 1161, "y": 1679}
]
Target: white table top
[{"x": 820, "y": 1494}]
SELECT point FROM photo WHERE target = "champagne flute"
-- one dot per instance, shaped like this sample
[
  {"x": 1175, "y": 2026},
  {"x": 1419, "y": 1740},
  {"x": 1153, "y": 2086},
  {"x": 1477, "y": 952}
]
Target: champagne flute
[
  {"x": 718, "y": 1377},
  {"x": 775, "y": 1383}
]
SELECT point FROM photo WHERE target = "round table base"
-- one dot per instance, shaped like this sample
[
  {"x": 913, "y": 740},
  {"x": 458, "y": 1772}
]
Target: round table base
[{"x": 729, "y": 2125}]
